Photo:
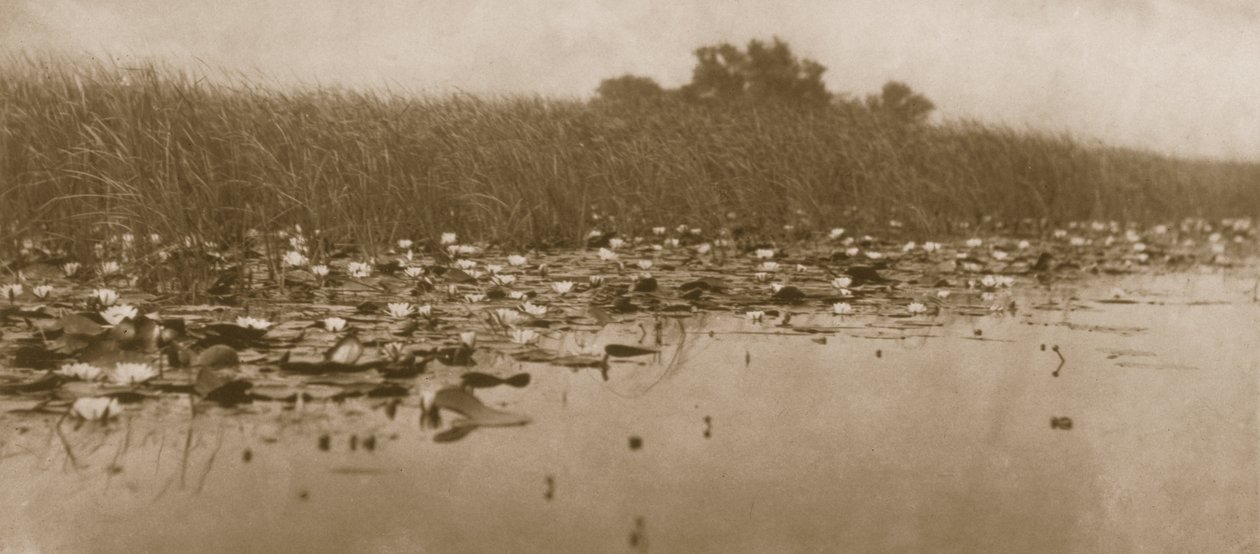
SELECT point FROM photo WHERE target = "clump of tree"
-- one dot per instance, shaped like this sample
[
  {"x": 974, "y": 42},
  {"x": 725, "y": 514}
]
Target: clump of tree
[{"x": 764, "y": 72}]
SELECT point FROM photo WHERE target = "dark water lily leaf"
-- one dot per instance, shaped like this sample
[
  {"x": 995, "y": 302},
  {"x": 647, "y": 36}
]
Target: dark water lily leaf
[
  {"x": 478, "y": 380},
  {"x": 788, "y": 294},
  {"x": 862, "y": 274},
  {"x": 47, "y": 381},
  {"x": 221, "y": 387},
  {"x": 219, "y": 355},
  {"x": 455, "y": 433},
  {"x": 112, "y": 358},
  {"x": 458, "y": 400},
  {"x": 456, "y": 275},
  {"x": 627, "y": 351},
  {"x": 645, "y": 284},
  {"x": 706, "y": 284},
  {"x": 80, "y": 324},
  {"x": 579, "y": 361},
  {"x": 38, "y": 357},
  {"x": 232, "y": 335}
]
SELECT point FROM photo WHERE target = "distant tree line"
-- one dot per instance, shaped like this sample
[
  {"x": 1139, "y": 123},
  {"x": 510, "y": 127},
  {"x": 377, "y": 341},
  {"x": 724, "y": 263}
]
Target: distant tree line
[{"x": 764, "y": 72}]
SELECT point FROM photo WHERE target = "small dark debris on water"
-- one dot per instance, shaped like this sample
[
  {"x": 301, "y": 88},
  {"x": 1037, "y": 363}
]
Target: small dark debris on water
[
  {"x": 708, "y": 427},
  {"x": 304, "y": 494},
  {"x": 636, "y": 442},
  {"x": 551, "y": 488},
  {"x": 1062, "y": 423},
  {"x": 247, "y": 455},
  {"x": 369, "y": 443},
  {"x": 638, "y": 537},
  {"x": 325, "y": 443},
  {"x": 1062, "y": 360},
  {"x": 977, "y": 332},
  {"x": 879, "y": 353},
  {"x": 1043, "y": 347},
  {"x": 354, "y": 442}
]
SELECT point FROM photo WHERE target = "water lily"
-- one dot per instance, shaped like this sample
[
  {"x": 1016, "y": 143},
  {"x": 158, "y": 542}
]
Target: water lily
[
  {"x": 615, "y": 243},
  {"x": 494, "y": 269},
  {"x": 508, "y": 317},
  {"x": 930, "y": 247},
  {"x": 754, "y": 316},
  {"x": 645, "y": 264},
  {"x": 465, "y": 264},
  {"x": 414, "y": 272},
  {"x": 405, "y": 244},
  {"x": 449, "y": 238},
  {"x": 842, "y": 282},
  {"x": 250, "y": 322},
  {"x": 320, "y": 271},
  {"x": 393, "y": 351},
  {"x": 524, "y": 336},
  {"x": 763, "y": 253},
  {"x": 94, "y": 408},
  {"x": 768, "y": 266},
  {"x": 1023, "y": 245},
  {"x": 852, "y": 251},
  {"x": 359, "y": 270},
  {"x": 104, "y": 297},
  {"x": 761, "y": 276},
  {"x": 607, "y": 255},
  {"x": 117, "y": 314},
  {"x": 874, "y": 255},
  {"x": 974, "y": 243},
  {"x": 424, "y": 311},
  {"x": 11, "y": 291},
  {"x": 334, "y": 324},
  {"x": 845, "y": 293},
  {"x": 468, "y": 338},
  {"x": 999, "y": 255},
  {"x": 293, "y": 258},
  {"x": 595, "y": 280},
  {"x": 672, "y": 242},
  {"x": 131, "y": 373},
  {"x": 467, "y": 250},
  {"x": 836, "y": 233},
  {"x": 70, "y": 268},
  {"x": 400, "y": 309},
  {"x": 503, "y": 280},
  {"x": 81, "y": 371},
  {"x": 1077, "y": 241},
  {"x": 909, "y": 246},
  {"x": 776, "y": 287},
  {"x": 988, "y": 281},
  {"x": 109, "y": 268},
  {"x": 942, "y": 294},
  {"x": 517, "y": 294},
  {"x": 703, "y": 248},
  {"x": 42, "y": 291},
  {"x": 516, "y": 260},
  {"x": 841, "y": 308},
  {"x": 474, "y": 297},
  {"x": 534, "y": 309},
  {"x": 658, "y": 231},
  {"x": 562, "y": 287},
  {"x": 916, "y": 308}
]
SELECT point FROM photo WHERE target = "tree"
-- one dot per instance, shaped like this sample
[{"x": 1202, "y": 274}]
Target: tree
[
  {"x": 900, "y": 102},
  {"x": 629, "y": 88},
  {"x": 764, "y": 72}
]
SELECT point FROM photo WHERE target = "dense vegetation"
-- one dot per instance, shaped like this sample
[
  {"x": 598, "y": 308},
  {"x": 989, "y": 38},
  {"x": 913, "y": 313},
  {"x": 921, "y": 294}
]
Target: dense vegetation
[{"x": 87, "y": 148}]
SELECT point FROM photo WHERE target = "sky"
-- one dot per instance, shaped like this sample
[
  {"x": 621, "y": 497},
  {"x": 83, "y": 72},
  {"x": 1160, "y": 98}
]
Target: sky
[{"x": 1174, "y": 76}]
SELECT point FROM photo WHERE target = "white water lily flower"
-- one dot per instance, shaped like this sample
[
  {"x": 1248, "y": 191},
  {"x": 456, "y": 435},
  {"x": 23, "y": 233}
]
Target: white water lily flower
[
  {"x": 474, "y": 297},
  {"x": 517, "y": 294},
  {"x": 594, "y": 234},
  {"x": 988, "y": 281},
  {"x": 835, "y": 233},
  {"x": 874, "y": 255},
  {"x": 658, "y": 231},
  {"x": 293, "y": 258},
  {"x": 615, "y": 243},
  {"x": 607, "y": 255},
  {"x": 424, "y": 311},
  {"x": 524, "y": 336},
  {"x": 999, "y": 255},
  {"x": 334, "y": 324},
  {"x": 764, "y": 253},
  {"x": 673, "y": 243},
  {"x": 842, "y": 282},
  {"x": 595, "y": 280},
  {"x": 117, "y": 314},
  {"x": 465, "y": 264},
  {"x": 974, "y": 243},
  {"x": 503, "y": 280},
  {"x": 467, "y": 250},
  {"x": 42, "y": 291},
  {"x": 1077, "y": 241},
  {"x": 110, "y": 268},
  {"x": 931, "y": 246},
  {"x": 562, "y": 287},
  {"x": 399, "y": 309},
  {"x": 359, "y": 270},
  {"x": 696, "y": 231},
  {"x": 1023, "y": 245},
  {"x": 11, "y": 291},
  {"x": 909, "y": 246},
  {"x": 81, "y": 371},
  {"x": 250, "y": 322},
  {"x": 319, "y": 270},
  {"x": 754, "y": 315},
  {"x": 761, "y": 276},
  {"x": 1139, "y": 247},
  {"x": 988, "y": 297},
  {"x": 469, "y": 338},
  {"x": 508, "y": 317},
  {"x": 414, "y": 272},
  {"x": 776, "y": 287},
  {"x": 1060, "y": 233},
  {"x": 131, "y": 373},
  {"x": 104, "y": 297},
  {"x": 449, "y": 238},
  {"x": 534, "y": 309},
  {"x": 841, "y": 308},
  {"x": 768, "y": 266},
  {"x": 70, "y": 268},
  {"x": 393, "y": 351},
  {"x": 942, "y": 294},
  {"x": 845, "y": 293},
  {"x": 916, "y": 308},
  {"x": 645, "y": 264},
  {"x": 516, "y": 260},
  {"x": 852, "y": 251},
  {"x": 405, "y": 244},
  {"x": 703, "y": 248},
  {"x": 1005, "y": 281},
  {"x": 494, "y": 269},
  {"x": 96, "y": 408}
]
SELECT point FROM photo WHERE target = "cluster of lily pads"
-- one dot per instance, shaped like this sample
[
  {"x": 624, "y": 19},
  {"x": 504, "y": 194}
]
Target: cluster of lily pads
[{"x": 80, "y": 337}]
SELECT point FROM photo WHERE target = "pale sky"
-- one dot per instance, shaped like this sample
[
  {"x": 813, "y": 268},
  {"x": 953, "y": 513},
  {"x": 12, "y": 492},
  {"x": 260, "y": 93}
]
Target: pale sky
[{"x": 1177, "y": 76}]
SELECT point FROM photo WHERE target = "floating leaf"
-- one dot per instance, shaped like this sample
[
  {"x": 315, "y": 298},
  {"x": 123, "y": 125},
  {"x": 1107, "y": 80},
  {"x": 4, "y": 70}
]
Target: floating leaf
[
  {"x": 219, "y": 355},
  {"x": 469, "y": 406},
  {"x": 478, "y": 380},
  {"x": 627, "y": 351}
]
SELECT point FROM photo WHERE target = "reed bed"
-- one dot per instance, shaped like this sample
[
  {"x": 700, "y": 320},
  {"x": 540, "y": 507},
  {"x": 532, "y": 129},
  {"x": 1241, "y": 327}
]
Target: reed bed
[{"x": 88, "y": 149}]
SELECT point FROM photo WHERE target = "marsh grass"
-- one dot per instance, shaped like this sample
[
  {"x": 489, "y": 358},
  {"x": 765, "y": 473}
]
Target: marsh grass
[{"x": 89, "y": 149}]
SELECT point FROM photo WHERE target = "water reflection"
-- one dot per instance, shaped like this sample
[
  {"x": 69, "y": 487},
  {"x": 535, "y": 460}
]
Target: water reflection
[{"x": 733, "y": 436}]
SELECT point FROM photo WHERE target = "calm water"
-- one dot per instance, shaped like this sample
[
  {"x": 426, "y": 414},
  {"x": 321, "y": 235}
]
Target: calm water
[{"x": 875, "y": 436}]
